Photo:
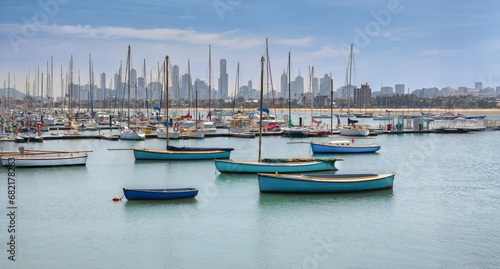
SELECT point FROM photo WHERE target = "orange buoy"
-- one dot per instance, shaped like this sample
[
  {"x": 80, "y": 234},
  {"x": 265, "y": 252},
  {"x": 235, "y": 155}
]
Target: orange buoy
[{"x": 116, "y": 198}]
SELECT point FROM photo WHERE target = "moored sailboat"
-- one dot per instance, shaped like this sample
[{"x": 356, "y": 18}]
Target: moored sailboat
[
  {"x": 175, "y": 153},
  {"x": 273, "y": 165}
]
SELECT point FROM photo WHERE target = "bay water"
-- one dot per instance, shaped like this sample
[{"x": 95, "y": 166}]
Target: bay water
[{"x": 443, "y": 211}]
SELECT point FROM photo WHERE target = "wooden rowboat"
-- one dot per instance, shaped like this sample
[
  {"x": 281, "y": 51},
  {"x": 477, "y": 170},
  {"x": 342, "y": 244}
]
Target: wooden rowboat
[
  {"x": 159, "y": 194},
  {"x": 324, "y": 183}
]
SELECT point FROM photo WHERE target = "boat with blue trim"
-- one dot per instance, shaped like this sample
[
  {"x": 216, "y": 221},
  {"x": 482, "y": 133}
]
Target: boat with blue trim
[
  {"x": 159, "y": 194},
  {"x": 182, "y": 153},
  {"x": 343, "y": 145},
  {"x": 292, "y": 165},
  {"x": 319, "y": 183}
]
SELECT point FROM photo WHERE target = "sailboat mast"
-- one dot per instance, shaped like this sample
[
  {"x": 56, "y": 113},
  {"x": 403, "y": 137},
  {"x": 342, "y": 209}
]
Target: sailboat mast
[
  {"x": 128, "y": 85},
  {"x": 349, "y": 85},
  {"x": 189, "y": 88},
  {"x": 331, "y": 106},
  {"x": 267, "y": 75},
  {"x": 79, "y": 93},
  {"x": 289, "y": 91},
  {"x": 71, "y": 89},
  {"x": 261, "y": 99},
  {"x": 209, "y": 81},
  {"x": 166, "y": 93}
]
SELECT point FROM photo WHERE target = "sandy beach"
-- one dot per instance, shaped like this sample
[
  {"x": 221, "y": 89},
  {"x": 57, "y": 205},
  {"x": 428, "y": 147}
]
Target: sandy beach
[{"x": 412, "y": 111}]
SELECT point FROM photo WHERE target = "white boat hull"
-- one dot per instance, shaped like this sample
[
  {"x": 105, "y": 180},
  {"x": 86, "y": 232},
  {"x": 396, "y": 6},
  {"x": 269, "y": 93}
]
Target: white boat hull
[
  {"x": 43, "y": 161},
  {"x": 162, "y": 133},
  {"x": 352, "y": 132},
  {"x": 128, "y": 134}
]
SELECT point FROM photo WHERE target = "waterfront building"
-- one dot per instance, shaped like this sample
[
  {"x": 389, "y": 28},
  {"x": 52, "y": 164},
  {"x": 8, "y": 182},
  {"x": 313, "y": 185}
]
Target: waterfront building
[{"x": 362, "y": 96}]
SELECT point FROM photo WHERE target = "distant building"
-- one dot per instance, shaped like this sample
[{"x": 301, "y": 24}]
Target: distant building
[
  {"x": 324, "y": 85},
  {"x": 284, "y": 83},
  {"x": 479, "y": 86},
  {"x": 387, "y": 90},
  {"x": 463, "y": 91},
  {"x": 400, "y": 88},
  {"x": 315, "y": 86},
  {"x": 498, "y": 90},
  {"x": 103, "y": 81},
  {"x": 133, "y": 79},
  {"x": 298, "y": 87},
  {"x": 362, "y": 96},
  {"x": 141, "y": 91},
  {"x": 175, "y": 80},
  {"x": 202, "y": 88},
  {"x": 118, "y": 81},
  {"x": 345, "y": 92},
  {"x": 487, "y": 92},
  {"x": 223, "y": 80}
]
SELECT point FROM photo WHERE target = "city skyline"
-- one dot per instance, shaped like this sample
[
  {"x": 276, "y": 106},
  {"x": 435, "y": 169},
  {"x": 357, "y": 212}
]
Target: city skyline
[{"x": 422, "y": 44}]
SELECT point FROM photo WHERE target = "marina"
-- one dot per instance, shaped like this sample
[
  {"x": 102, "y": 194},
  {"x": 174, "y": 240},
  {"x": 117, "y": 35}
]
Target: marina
[
  {"x": 433, "y": 197},
  {"x": 249, "y": 134}
]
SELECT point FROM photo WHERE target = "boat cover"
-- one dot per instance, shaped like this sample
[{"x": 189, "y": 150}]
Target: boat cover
[{"x": 197, "y": 149}]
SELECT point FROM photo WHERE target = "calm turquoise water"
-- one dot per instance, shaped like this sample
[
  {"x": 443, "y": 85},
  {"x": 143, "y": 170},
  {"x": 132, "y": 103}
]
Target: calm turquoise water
[{"x": 442, "y": 213}]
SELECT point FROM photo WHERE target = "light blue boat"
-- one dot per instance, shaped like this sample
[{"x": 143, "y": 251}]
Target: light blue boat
[
  {"x": 324, "y": 183},
  {"x": 276, "y": 165},
  {"x": 342, "y": 146},
  {"x": 175, "y": 153}
]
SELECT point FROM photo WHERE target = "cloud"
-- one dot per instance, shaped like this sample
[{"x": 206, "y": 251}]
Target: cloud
[
  {"x": 438, "y": 52},
  {"x": 326, "y": 52},
  {"x": 306, "y": 41},
  {"x": 393, "y": 50},
  {"x": 492, "y": 44},
  {"x": 228, "y": 39}
]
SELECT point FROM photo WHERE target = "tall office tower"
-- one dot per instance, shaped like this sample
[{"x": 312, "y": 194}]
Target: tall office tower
[
  {"x": 400, "y": 88},
  {"x": 316, "y": 86},
  {"x": 118, "y": 83},
  {"x": 298, "y": 89},
  {"x": 324, "y": 85},
  {"x": 284, "y": 83},
  {"x": 141, "y": 92},
  {"x": 103, "y": 85},
  {"x": 175, "y": 81},
  {"x": 186, "y": 88},
  {"x": 223, "y": 80}
]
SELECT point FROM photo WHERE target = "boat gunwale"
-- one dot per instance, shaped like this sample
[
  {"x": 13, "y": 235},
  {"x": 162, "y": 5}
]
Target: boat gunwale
[
  {"x": 270, "y": 163},
  {"x": 311, "y": 178},
  {"x": 178, "y": 190},
  {"x": 343, "y": 146},
  {"x": 158, "y": 151}
]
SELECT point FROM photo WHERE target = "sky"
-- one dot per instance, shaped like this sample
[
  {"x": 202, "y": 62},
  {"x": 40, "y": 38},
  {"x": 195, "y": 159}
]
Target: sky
[{"x": 420, "y": 43}]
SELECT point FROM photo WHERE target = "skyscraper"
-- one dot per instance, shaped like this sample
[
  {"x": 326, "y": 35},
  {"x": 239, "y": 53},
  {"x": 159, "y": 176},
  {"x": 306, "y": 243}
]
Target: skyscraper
[
  {"x": 175, "y": 80},
  {"x": 284, "y": 83},
  {"x": 103, "y": 85},
  {"x": 223, "y": 80},
  {"x": 298, "y": 88},
  {"x": 324, "y": 85}
]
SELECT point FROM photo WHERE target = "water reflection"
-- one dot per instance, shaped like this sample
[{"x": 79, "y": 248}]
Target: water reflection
[{"x": 306, "y": 199}]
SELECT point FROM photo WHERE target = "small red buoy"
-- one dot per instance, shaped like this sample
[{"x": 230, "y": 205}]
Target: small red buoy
[
  {"x": 353, "y": 140},
  {"x": 116, "y": 198}
]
